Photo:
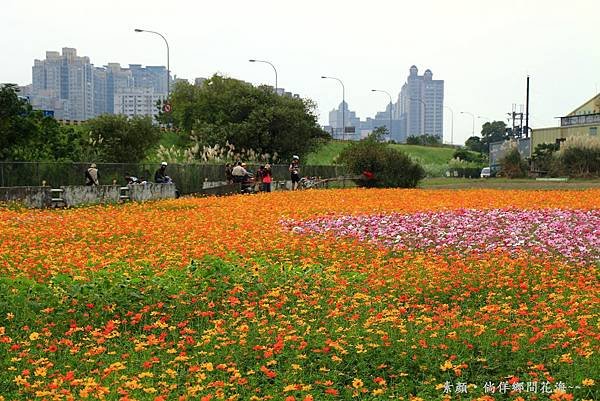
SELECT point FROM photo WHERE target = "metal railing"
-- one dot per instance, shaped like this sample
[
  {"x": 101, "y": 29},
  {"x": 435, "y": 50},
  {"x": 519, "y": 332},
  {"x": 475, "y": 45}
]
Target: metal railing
[{"x": 189, "y": 178}]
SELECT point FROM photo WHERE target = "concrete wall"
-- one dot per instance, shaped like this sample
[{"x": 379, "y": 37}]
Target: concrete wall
[
  {"x": 146, "y": 192},
  {"x": 34, "y": 197},
  {"x": 226, "y": 189},
  {"x": 75, "y": 195}
]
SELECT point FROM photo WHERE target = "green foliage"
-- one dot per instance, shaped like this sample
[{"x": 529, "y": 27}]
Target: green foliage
[
  {"x": 225, "y": 110},
  {"x": 580, "y": 157},
  {"x": 390, "y": 167},
  {"x": 463, "y": 168},
  {"x": 26, "y": 135},
  {"x": 468, "y": 156},
  {"x": 379, "y": 133},
  {"x": 474, "y": 143},
  {"x": 425, "y": 140},
  {"x": 117, "y": 139},
  {"x": 543, "y": 157},
  {"x": 494, "y": 131},
  {"x": 512, "y": 164}
]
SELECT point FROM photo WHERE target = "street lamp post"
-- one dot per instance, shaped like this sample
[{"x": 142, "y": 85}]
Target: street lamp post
[
  {"x": 267, "y": 62},
  {"x": 168, "y": 65},
  {"x": 391, "y": 107},
  {"x": 473, "y": 118},
  {"x": 343, "y": 105},
  {"x": 452, "y": 125},
  {"x": 424, "y": 112}
]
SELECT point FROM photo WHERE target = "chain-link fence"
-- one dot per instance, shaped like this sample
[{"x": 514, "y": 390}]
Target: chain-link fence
[{"x": 189, "y": 178}]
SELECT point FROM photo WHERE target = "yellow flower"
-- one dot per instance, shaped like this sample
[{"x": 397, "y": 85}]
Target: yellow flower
[
  {"x": 588, "y": 382},
  {"x": 566, "y": 358},
  {"x": 34, "y": 336},
  {"x": 357, "y": 383},
  {"x": 447, "y": 365},
  {"x": 378, "y": 391},
  {"x": 289, "y": 387}
]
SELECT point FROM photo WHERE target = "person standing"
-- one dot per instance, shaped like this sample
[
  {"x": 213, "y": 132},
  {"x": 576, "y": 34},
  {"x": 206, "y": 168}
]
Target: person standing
[
  {"x": 295, "y": 172},
  {"x": 228, "y": 175},
  {"x": 91, "y": 175},
  {"x": 258, "y": 178},
  {"x": 267, "y": 178}
]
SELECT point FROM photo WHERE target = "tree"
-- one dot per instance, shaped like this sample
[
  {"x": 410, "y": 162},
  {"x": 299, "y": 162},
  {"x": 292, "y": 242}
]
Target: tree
[
  {"x": 380, "y": 165},
  {"x": 474, "y": 143},
  {"x": 16, "y": 128},
  {"x": 225, "y": 110},
  {"x": 424, "y": 140},
  {"x": 117, "y": 139},
  {"x": 543, "y": 156},
  {"x": 468, "y": 156},
  {"x": 492, "y": 132},
  {"x": 28, "y": 135},
  {"x": 379, "y": 133},
  {"x": 512, "y": 164}
]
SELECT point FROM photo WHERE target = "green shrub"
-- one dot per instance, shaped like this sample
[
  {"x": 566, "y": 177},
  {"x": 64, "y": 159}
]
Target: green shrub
[
  {"x": 543, "y": 157},
  {"x": 435, "y": 170},
  {"x": 390, "y": 168},
  {"x": 580, "y": 157},
  {"x": 512, "y": 164},
  {"x": 425, "y": 140},
  {"x": 468, "y": 156}
]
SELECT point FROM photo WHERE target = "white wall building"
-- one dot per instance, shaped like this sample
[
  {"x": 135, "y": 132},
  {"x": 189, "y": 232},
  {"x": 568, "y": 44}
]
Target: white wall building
[{"x": 137, "y": 102}]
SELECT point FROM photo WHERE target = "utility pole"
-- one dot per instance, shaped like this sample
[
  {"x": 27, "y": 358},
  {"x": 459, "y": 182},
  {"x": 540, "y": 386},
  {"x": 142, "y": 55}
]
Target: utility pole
[
  {"x": 517, "y": 115},
  {"x": 527, "y": 110}
]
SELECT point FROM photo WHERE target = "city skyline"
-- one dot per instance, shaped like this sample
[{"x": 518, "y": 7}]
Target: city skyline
[
  {"x": 71, "y": 87},
  {"x": 483, "y": 51},
  {"x": 418, "y": 110}
]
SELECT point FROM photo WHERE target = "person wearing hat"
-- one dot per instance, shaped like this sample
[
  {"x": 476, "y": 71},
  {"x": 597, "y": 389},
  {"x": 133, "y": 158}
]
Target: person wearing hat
[
  {"x": 267, "y": 178},
  {"x": 160, "y": 177},
  {"x": 91, "y": 175},
  {"x": 239, "y": 172},
  {"x": 295, "y": 172}
]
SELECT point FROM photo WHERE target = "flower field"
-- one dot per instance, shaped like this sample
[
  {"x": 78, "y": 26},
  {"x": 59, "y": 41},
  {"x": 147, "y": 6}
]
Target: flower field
[{"x": 312, "y": 295}]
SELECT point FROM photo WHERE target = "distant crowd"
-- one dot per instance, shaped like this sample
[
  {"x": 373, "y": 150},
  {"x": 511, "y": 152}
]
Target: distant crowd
[
  {"x": 262, "y": 179},
  {"x": 259, "y": 181}
]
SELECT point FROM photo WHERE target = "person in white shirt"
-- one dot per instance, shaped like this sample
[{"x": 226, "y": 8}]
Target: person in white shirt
[{"x": 239, "y": 172}]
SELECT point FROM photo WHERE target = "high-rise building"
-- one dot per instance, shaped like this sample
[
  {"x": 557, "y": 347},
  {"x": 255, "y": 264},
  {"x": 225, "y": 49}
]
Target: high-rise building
[
  {"x": 154, "y": 77},
  {"x": 357, "y": 129},
  {"x": 65, "y": 82},
  {"x": 74, "y": 89},
  {"x": 340, "y": 117},
  {"x": 421, "y": 104},
  {"x": 117, "y": 79},
  {"x": 100, "y": 87}
]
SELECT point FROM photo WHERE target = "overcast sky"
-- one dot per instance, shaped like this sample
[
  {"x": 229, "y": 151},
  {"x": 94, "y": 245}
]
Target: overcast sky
[{"x": 482, "y": 49}]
